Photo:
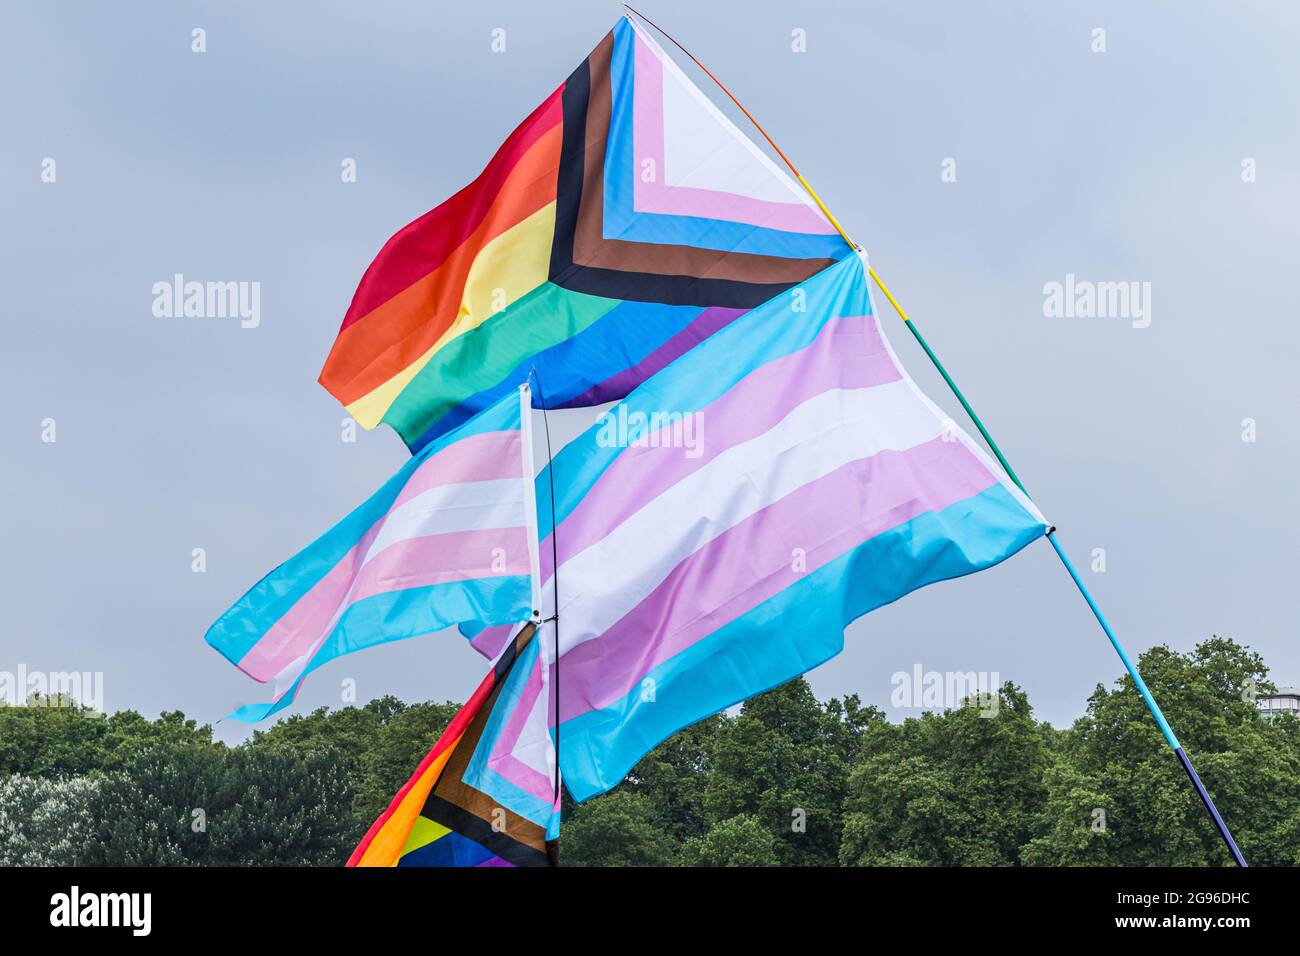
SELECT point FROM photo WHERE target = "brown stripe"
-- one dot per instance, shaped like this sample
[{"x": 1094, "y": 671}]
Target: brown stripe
[
  {"x": 452, "y": 788},
  {"x": 590, "y": 248}
]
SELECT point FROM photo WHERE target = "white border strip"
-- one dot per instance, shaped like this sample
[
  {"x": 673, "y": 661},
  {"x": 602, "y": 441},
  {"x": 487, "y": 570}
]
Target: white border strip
[
  {"x": 797, "y": 193},
  {"x": 530, "y": 492}
]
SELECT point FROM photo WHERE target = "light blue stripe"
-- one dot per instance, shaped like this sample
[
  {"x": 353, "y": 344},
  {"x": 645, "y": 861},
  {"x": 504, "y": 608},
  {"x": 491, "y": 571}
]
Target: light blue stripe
[
  {"x": 397, "y": 615},
  {"x": 621, "y": 220},
  {"x": 790, "y": 633},
  {"x": 707, "y": 371},
  {"x": 477, "y": 772},
  {"x": 245, "y": 623}
]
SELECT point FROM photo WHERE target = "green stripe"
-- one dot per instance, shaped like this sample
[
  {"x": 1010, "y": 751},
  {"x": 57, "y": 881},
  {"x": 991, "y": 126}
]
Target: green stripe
[{"x": 481, "y": 358}]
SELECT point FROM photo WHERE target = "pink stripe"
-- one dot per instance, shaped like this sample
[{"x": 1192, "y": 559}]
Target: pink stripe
[
  {"x": 439, "y": 558},
  {"x": 503, "y": 760},
  {"x": 291, "y": 636},
  {"x": 525, "y": 777},
  {"x": 847, "y": 353},
  {"x": 412, "y": 563},
  {"x": 658, "y": 197},
  {"x": 753, "y": 561},
  {"x": 483, "y": 457},
  {"x": 514, "y": 726}
]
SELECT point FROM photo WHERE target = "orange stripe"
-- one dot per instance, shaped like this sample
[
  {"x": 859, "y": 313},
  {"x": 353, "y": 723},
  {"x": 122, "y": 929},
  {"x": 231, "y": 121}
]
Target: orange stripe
[
  {"x": 386, "y": 340},
  {"x": 384, "y": 840},
  {"x": 384, "y": 847},
  {"x": 422, "y": 245}
]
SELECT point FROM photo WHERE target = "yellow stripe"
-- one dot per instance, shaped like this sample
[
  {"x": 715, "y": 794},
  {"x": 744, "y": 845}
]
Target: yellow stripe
[
  {"x": 387, "y": 846},
  {"x": 505, "y": 270},
  {"x": 423, "y": 833}
]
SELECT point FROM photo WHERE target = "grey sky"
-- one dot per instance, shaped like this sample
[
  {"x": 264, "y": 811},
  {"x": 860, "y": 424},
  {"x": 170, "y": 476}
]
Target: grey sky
[{"x": 182, "y": 433}]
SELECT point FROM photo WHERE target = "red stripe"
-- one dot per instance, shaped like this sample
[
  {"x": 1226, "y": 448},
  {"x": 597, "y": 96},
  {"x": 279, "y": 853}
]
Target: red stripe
[
  {"x": 422, "y": 246},
  {"x": 449, "y": 737}
]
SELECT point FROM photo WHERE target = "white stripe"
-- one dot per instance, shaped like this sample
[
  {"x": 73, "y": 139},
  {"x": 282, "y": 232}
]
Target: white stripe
[
  {"x": 610, "y": 578},
  {"x": 534, "y": 748},
  {"x": 779, "y": 186},
  {"x": 464, "y": 506},
  {"x": 530, "y": 490},
  {"x": 995, "y": 469}
]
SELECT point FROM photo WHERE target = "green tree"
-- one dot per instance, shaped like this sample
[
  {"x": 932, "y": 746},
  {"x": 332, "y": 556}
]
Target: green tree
[
  {"x": 786, "y": 781},
  {"x": 45, "y": 822},
  {"x": 673, "y": 776},
  {"x": 739, "y": 841},
  {"x": 144, "y": 814},
  {"x": 276, "y": 808},
  {"x": 55, "y": 737},
  {"x": 784, "y": 762},
  {"x": 1116, "y": 759},
  {"x": 381, "y": 743},
  {"x": 959, "y": 788},
  {"x": 621, "y": 828}
]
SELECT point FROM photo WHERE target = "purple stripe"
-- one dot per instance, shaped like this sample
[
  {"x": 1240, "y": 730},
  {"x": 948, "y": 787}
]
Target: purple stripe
[
  {"x": 847, "y": 353},
  {"x": 751, "y": 562},
  {"x": 696, "y": 331},
  {"x": 491, "y": 640}
]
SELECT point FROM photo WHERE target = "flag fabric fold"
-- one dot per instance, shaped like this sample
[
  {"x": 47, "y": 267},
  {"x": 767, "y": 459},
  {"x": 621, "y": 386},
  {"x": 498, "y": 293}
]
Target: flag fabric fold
[
  {"x": 449, "y": 540},
  {"x": 486, "y": 793},
  {"x": 622, "y": 223},
  {"x": 718, "y": 530}
]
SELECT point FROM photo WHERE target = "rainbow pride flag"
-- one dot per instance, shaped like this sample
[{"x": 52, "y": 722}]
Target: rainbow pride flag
[
  {"x": 718, "y": 529},
  {"x": 622, "y": 223},
  {"x": 451, "y": 539},
  {"x": 486, "y": 794}
]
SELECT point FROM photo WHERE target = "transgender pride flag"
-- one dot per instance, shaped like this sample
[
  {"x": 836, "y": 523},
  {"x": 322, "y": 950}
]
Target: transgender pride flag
[
  {"x": 449, "y": 540},
  {"x": 821, "y": 484}
]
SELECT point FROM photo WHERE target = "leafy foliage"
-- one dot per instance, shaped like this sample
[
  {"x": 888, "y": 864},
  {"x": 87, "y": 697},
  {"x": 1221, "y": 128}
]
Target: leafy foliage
[{"x": 784, "y": 781}]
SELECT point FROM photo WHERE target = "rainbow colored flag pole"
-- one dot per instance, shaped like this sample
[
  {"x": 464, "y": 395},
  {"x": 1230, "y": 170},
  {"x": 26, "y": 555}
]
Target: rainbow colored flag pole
[{"x": 1184, "y": 761}]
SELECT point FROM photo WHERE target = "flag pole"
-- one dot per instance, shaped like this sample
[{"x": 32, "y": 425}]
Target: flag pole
[
  {"x": 1183, "y": 760},
  {"x": 553, "y": 853}
]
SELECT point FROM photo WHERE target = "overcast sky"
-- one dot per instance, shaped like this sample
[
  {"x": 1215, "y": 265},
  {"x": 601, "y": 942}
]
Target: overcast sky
[{"x": 176, "y": 434}]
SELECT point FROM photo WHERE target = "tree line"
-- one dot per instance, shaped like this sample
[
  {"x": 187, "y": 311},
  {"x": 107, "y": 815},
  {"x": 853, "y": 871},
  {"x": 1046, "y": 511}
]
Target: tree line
[{"x": 786, "y": 781}]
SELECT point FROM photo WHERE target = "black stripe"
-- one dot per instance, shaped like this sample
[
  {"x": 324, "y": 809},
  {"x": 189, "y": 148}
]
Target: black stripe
[
  {"x": 618, "y": 283},
  {"x": 477, "y": 829},
  {"x": 669, "y": 290},
  {"x": 568, "y": 187}
]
